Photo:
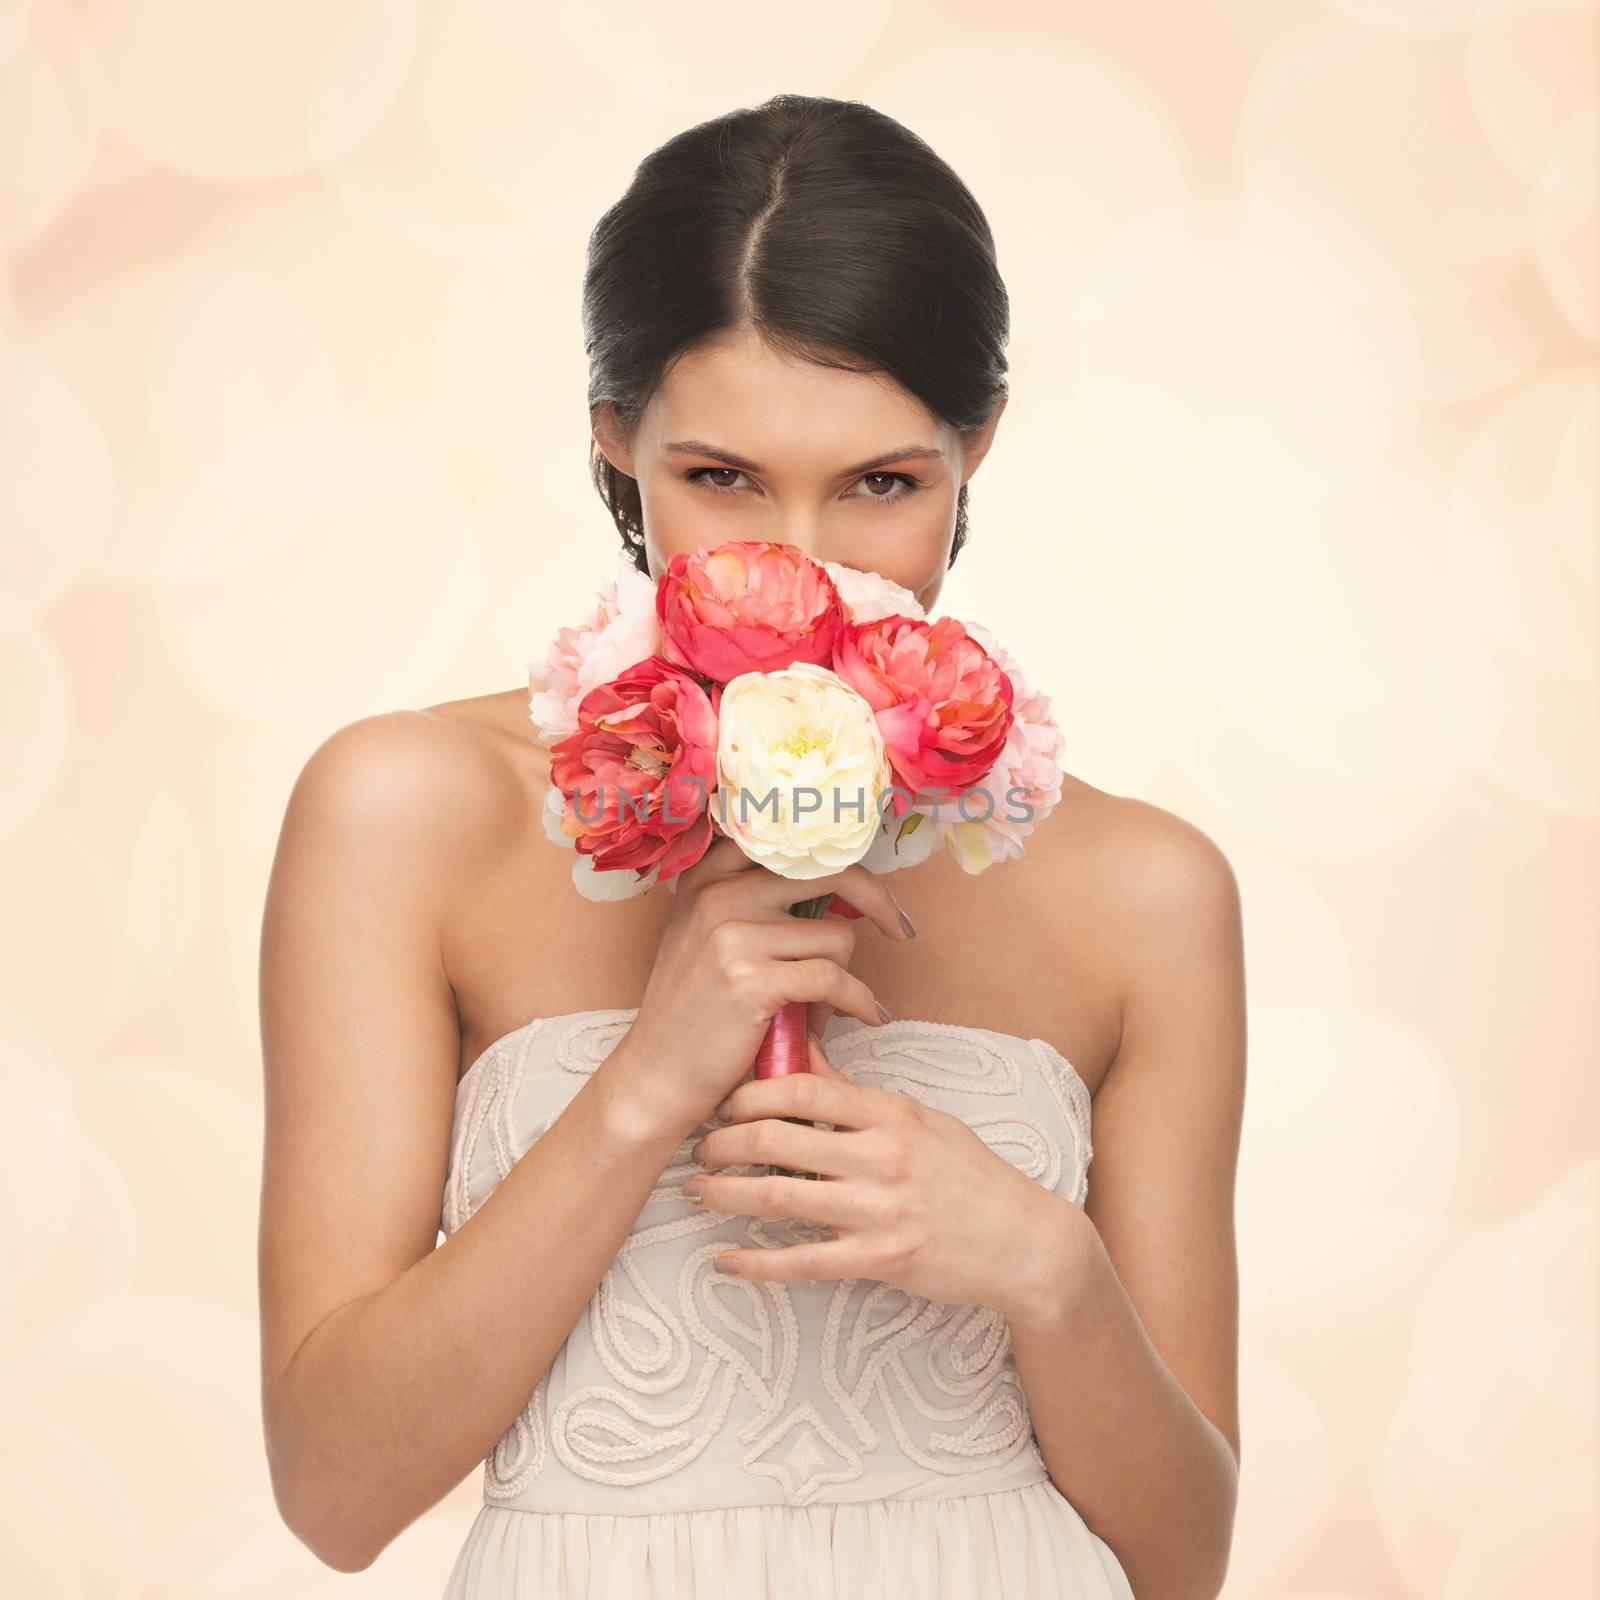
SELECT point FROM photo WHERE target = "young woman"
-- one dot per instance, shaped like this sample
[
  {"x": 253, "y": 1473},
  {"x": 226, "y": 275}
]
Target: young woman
[{"x": 953, "y": 1365}]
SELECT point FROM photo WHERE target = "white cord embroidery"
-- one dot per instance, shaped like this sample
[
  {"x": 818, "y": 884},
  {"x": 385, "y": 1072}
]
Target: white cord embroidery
[{"x": 941, "y": 1377}]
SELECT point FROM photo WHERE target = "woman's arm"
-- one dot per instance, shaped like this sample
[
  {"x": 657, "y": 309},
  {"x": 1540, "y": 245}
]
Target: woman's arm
[
  {"x": 1129, "y": 1359},
  {"x": 390, "y": 1366}
]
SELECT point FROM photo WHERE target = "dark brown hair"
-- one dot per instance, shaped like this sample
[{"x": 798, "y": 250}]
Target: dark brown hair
[{"x": 827, "y": 227}]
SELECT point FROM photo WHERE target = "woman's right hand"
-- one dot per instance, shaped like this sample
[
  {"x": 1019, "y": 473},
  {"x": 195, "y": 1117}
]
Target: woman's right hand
[{"x": 730, "y": 955}]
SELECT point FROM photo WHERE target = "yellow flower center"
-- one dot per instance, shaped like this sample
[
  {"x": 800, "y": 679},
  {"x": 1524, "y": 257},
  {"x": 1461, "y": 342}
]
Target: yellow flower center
[
  {"x": 650, "y": 761},
  {"x": 803, "y": 741}
]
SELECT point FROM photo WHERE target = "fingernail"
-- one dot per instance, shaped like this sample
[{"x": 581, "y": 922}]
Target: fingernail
[
  {"x": 907, "y": 924},
  {"x": 882, "y": 1011},
  {"x": 694, "y": 1189},
  {"x": 726, "y": 1264}
]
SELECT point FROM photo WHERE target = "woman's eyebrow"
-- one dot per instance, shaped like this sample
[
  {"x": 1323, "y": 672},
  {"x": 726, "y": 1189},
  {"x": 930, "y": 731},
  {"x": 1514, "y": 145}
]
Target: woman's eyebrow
[{"x": 910, "y": 452}]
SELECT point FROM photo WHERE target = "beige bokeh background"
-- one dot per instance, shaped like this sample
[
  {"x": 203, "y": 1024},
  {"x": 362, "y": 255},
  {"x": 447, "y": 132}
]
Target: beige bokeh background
[{"x": 1303, "y": 433}]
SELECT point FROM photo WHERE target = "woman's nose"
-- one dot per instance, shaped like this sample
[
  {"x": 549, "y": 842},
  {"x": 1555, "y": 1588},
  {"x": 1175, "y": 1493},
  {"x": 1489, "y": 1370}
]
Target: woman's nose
[{"x": 804, "y": 538}]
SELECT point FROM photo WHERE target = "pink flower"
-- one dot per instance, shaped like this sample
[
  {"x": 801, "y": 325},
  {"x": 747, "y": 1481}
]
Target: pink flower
[
  {"x": 1022, "y": 787},
  {"x": 942, "y": 702},
  {"x": 747, "y": 605},
  {"x": 637, "y": 773},
  {"x": 622, "y": 631}
]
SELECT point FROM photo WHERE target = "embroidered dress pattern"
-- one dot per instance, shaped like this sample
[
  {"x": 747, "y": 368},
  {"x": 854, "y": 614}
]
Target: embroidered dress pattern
[{"x": 680, "y": 1392}]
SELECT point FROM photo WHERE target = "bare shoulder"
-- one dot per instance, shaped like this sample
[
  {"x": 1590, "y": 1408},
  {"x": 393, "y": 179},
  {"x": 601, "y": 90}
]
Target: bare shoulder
[
  {"x": 1133, "y": 856},
  {"x": 444, "y": 785},
  {"x": 1152, "y": 890},
  {"x": 449, "y": 750}
]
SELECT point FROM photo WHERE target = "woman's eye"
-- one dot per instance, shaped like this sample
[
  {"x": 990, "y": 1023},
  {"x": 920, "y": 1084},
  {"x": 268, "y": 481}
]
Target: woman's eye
[
  {"x": 706, "y": 475},
  {"x": 703, "y": 474},
  {"x": 907, "y": 486}
]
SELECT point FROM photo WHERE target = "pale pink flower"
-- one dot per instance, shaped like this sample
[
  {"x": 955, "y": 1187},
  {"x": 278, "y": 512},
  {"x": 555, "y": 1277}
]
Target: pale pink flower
[
  {"x": 621, "y": 632},
  {"x": 868, "y": 595}
]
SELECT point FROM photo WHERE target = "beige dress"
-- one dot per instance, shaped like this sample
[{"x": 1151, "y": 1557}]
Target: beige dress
[{"x": 700, "y": 1435}]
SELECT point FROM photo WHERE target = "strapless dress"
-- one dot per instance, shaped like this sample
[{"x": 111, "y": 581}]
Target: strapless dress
[{"x": 700, "y": 1436}]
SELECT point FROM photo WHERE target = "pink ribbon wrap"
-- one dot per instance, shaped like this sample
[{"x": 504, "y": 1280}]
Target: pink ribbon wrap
[{"x": 785, "y": 1049}]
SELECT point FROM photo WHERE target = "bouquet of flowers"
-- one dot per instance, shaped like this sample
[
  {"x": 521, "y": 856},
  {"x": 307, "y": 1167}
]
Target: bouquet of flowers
[{"x": 807, "y": 710}]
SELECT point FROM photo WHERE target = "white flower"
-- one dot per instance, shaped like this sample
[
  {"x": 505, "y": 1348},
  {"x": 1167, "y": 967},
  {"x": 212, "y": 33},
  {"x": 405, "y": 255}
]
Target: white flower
[
  {"x": 621, "y": 632},
  {"x": 902, "y": 842},
  {"x": 611, "y": 885},
  {"x": 801, "y": 768},
  {"x": 590, "y": 883},
  {"x": 869, "y": 596},
  {"x": 555, "y": 805}
]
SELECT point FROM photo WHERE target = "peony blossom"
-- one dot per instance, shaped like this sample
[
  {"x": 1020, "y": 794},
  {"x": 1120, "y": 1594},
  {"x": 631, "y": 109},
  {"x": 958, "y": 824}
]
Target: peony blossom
[
  {"x": 622, "y": 631},
  {"x": 748, "y": 605},
  {"x": 904, "y": 842},
  {"x": 801, "y": 769},
  {"x": 635, "y": 778},
  {"x": 868, "y": 595},
  {"x": 970, "y": 753},
  {"x": 941, "y": 700},
  {"x": 1022, "y": 788}
]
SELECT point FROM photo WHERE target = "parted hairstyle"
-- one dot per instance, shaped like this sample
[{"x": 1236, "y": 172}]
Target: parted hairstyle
[{"x": 825, "y": 226}]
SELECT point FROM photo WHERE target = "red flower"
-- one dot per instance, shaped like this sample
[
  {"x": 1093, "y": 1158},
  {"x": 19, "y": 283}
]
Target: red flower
[
  {"x": 747, "y": 605},
  {"x": 639, "y": 770},
  {"x": 942, "y": 701}
]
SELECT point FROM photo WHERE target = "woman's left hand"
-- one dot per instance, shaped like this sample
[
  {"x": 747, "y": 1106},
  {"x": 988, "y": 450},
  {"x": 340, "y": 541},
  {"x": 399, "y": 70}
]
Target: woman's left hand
[{"x": 914, "y": 1197}]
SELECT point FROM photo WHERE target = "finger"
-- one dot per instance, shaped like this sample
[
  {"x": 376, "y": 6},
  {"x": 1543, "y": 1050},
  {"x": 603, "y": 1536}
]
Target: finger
[
  {"x": 770, "y": 1141},
  {"x": 794, "y": 1263},
  {"x": 818, "y": 1015},
  {"x": 817, "y": 1057},
  {"x": 811, "y": 1096},
  {"x": 818, "y": 978},
  {"x": 776, "y": 1195},
  {"x": 786, "y": 938},
  {"x": 723, "y": 858},
  {"x": 864, "y": 889},
  {"x": 820, "y": 1064}
]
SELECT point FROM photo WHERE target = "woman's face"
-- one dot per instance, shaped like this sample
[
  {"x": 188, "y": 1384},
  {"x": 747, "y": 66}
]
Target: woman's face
[{"x": 741, "y": 441}]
